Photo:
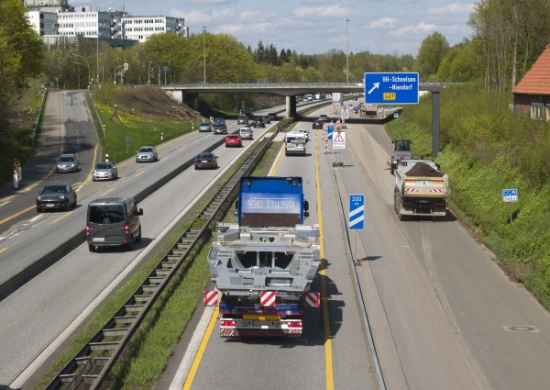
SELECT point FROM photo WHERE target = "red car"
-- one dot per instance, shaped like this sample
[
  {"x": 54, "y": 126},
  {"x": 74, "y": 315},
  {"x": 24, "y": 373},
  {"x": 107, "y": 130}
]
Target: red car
[{"x": 233, "y": 140}]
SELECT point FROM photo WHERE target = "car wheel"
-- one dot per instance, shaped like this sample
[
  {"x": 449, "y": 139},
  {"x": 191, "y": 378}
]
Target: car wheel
[
  {"x": 38, "y": 209},
  {"x": 91, "y": 248},
  {"x": 130, "y": 244},
  {"x": 67, "y": 205},
  {"x": 138, "y": 239},
  {"x": 93, "y": 178},
  {"x": 75, "y": 202}
]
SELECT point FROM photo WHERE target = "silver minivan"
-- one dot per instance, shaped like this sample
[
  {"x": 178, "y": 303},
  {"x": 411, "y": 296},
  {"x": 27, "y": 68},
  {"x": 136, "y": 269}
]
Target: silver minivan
[
  {"x": 113, "y": 222},
  {"x": 246, "y": 133}
]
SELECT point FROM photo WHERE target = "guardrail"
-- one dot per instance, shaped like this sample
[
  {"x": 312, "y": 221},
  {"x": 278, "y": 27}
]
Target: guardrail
[{"x": 91, "y": 365}]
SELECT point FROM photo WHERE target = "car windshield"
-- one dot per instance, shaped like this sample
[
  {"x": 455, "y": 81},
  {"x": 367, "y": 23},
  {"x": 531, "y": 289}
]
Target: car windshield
[
  {"x": 54, "y": 190},
  {"x": 103, "y": 166},
  {"x": 146, "y": 150},
  {"x": 66, "y": 159},
  {"x": 205, "y": 156}
]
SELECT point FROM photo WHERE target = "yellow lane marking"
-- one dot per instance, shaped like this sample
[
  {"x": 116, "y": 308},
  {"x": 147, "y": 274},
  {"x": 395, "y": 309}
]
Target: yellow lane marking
[
  {"x": 3, "y": 249},
  {"x": 200, "y": 353},
  {"x": 329, "y": 377},
  {"x": 108, "y": 191},
  {"x": 140, "y": 173},
  {"x": 65, "y": 215},
  {"x": 16, "y": 215}
]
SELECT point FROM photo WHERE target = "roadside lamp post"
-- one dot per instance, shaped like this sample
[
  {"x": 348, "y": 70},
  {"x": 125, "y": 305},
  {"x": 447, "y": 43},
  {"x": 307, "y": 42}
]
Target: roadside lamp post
[
  {"x": 347, "y": 50},
  {"x": 204, "y": 52},
  {"x": 88, "y": 65}
]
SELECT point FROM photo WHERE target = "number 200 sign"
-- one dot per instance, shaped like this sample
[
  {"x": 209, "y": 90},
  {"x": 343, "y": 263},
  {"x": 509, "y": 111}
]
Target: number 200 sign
[{"x": 357, "y": 212}]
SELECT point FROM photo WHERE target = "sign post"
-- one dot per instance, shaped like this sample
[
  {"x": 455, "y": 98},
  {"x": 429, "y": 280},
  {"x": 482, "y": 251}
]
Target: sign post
[
  {"x": 356, "y": 214},
  {"x": 509, "y": 196}
]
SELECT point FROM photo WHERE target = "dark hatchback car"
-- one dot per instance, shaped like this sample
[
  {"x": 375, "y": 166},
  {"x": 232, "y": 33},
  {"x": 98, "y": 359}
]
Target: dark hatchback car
[
  {"x": 258, "y": 121},
  {"x": 317, "y": 124},
  {"x": 220, "y": 128},
  {"x": 56, "y": 196},
  {"x": 206, "y": 160}
]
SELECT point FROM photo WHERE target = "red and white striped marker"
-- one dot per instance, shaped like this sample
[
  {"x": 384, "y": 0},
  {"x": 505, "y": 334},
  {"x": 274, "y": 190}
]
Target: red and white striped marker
[{"x": 267, "y": 298}]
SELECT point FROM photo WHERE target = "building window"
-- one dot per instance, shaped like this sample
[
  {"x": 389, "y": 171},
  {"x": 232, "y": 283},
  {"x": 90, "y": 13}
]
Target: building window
[{"x": 536, "y": 110}]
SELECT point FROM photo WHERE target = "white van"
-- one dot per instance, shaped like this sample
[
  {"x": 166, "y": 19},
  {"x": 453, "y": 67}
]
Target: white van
[{"x": 295, "y": 143}]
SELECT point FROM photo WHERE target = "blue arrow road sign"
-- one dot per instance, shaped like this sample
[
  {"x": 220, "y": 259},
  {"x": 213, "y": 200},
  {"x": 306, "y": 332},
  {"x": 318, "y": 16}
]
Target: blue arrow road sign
[
  {"x": 391, "y": 88},
  {"x": 357, "y": 212}
]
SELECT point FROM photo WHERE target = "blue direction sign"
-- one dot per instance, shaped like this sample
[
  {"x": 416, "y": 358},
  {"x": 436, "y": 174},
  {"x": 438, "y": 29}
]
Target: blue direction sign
[
  {"x": 357, "y": 212},
  {"x": 391, "y": 88},
  {"x": 330, "y": 130},
  {"x": 510, "y": 195}
]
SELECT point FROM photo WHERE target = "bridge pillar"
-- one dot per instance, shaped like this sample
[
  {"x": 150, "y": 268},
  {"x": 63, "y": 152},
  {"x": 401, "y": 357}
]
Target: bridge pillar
[
  {"x": 175, "y": 94},
  {"x": 290, "y": 106}
]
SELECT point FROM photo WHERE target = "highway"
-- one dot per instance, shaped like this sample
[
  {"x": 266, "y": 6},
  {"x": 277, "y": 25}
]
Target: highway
[{"x": 443, "y": 315}]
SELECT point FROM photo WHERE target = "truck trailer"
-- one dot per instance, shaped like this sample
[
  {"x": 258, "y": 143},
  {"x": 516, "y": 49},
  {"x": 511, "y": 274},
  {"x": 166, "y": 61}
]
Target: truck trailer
[
  {"x": 263, "y": 266},
  {"x": 420, "y": 190}
]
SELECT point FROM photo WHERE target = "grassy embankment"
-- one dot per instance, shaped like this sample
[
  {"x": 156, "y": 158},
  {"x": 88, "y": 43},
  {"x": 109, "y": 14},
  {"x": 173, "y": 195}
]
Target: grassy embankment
[{"x": 487, "y": 149}]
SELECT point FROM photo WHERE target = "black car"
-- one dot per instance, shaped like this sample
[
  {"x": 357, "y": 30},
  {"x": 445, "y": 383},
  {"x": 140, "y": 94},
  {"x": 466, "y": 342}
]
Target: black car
[
  {"x": 249, "y": 113},
  {"x": 220, "y": 128},
  {"x": 56, "y": 196},
  {"x": 258, "y": 121},
  {"x": 317, "y": 124},
  {"x": 206, "y": 160}
]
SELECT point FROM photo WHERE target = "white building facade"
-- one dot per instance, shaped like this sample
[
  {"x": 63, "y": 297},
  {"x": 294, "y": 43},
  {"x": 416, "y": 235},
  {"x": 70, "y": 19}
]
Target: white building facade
[
  {"x": 140, "y": 28},
  {"x": 56, "y": 18}
]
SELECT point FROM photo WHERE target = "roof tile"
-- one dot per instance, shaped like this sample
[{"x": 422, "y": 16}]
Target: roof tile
[{"x": 537, "y": 80}]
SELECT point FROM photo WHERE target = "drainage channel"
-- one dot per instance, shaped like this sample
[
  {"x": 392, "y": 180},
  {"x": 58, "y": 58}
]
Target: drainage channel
[{"x": 90, "y": 367}]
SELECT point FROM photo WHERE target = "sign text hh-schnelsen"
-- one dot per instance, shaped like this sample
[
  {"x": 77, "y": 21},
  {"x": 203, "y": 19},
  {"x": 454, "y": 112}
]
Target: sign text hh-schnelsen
[{"x": 391, "y": 88}]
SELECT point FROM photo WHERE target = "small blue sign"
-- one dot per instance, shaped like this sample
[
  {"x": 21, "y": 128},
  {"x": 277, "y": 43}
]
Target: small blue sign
[
  {"x": 391, "y": 88},
  {"x": 510, "y": 195},
  {"x": 330, "y": 130},
  {"x": 357, "y": 212}
]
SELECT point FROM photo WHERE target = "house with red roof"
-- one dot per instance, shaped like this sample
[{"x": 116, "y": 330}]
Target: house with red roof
[{"x": 532, "y": 94}]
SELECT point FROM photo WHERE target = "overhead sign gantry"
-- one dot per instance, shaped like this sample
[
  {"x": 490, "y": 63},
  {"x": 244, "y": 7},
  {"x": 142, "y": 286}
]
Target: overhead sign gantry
[{"x": 391, "y": 88}]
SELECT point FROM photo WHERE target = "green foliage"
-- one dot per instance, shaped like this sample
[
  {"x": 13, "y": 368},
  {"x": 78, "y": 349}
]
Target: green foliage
[
  {"x": 486, "y": 150},
  {"x": 430, "y": 55}
]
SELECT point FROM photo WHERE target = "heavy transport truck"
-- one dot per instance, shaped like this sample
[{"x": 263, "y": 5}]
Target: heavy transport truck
[
  {"x": 420, "y": 190},
  {"x": 263, "y": 266}
]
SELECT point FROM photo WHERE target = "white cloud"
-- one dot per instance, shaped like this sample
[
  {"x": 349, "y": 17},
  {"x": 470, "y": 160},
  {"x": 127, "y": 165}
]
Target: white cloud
[{"x": 384, "y": 22}]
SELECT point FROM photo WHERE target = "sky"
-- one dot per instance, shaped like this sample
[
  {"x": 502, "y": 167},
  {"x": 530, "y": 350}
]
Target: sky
[{"x": 395, "y": 27}]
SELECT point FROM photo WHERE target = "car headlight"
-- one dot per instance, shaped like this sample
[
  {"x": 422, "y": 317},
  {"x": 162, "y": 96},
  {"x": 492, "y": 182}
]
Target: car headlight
[
  {"x": 62, "y": 197},
  {"x": 39, "y": 198}
]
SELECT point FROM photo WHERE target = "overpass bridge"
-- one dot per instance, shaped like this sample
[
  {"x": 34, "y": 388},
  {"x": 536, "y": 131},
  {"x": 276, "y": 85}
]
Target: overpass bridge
[{"x": 189, "y": 94}]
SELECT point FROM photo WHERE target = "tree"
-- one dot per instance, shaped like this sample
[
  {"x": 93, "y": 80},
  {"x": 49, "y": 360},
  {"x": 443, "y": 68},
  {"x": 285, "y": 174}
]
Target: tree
[
  {"x": 21, "y": 54},
  {"x": 171, "y": 51},
  {"x": 432, "y": 51}
]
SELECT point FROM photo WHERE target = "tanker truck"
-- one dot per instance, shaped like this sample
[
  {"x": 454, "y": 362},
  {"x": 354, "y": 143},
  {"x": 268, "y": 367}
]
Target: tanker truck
[
  {"x": 420, "y": 190},
  {"x": 263, "y": 266}
]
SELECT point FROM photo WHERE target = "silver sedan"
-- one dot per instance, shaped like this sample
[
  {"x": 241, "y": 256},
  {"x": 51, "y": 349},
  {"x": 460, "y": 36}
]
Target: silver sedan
[
  {"x": 147, "y": 153},
  {"x": 105, "y": 171}
]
